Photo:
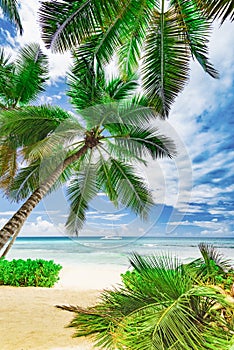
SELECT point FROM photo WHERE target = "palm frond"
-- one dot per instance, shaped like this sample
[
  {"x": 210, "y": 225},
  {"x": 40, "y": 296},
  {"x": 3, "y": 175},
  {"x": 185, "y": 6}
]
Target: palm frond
[
  {"x": 196, "y": 30},
  {"x": 122, "y": 154},
  {"x": 104, "y": 179},
  {"x": 165, "y": 275},
  {"x": 142, "y": 141},
  {"x": 82, "y": 188},
  {"x": 130, "y": 51},
  {"x": 44, "y": 119},
  {"x": 119, "y": 89},
  {"x": 142, "y": 315},
  {"x": 7, "y": 69},
  {"x": 66, "y": 24},
  {"x": 25, "y": 182},
  {"x": 99, "y": 115},
  {"x": 172, "y": 326},
  {"x": 135, "y": 111},
  {"x": 165, "y": 63},
  {"x": 218, "y": 9},
  {"x": 132, "y": 190},
  {"x": 10, "y": 9},
  {"x": 86, "y": 79},
  {"x": 31, "y": 73},
  {"x": 209, "y": 252}
]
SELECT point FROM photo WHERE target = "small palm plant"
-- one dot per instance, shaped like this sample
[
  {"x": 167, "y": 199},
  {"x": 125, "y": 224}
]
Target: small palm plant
[
  {"x": 212, "y": 267},
  {"x": 159, "y": 306},
  {"x": 95, "y": 153}
]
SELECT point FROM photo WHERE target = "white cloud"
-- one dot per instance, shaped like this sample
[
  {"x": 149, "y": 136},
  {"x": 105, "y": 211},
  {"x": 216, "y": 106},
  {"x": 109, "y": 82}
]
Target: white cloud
[
  {"x": 42, "y": 228},
  {"x": 208, "y": 227},
  {"x": 108, "y": 217},
  {"x": 7, "y": 213}
]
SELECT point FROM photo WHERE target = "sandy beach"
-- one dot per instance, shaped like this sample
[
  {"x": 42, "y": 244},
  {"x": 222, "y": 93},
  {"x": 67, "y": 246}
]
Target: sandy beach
[{"x": 29, "y": 319}]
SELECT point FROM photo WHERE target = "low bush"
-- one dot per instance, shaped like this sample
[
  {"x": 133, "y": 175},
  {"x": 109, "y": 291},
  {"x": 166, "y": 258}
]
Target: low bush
[{"x": 24, "y": 273}]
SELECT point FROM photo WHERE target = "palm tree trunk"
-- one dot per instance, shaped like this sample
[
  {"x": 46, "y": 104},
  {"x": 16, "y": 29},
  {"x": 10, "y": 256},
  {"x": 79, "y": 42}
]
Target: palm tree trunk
[
  {"x": 14, "y": 225},
  {"x": 10, "y": 244}
]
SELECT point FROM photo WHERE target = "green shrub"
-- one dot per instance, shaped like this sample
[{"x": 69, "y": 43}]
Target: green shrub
[{"x": 24, "y": 273}]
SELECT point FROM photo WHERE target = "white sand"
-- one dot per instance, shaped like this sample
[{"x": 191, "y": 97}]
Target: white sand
[
  {"x": 29, "y": 320},
  {"x": 89, "y": 276}
]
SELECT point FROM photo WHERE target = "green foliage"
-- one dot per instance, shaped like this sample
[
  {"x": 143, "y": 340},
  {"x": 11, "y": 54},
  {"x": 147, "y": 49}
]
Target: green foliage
[
  {"x": 163, "y": 39},
  {"x": 10, "y": 9},
  {"x": 23, "y": 79},
  {"x": 212, "y": 267},
  {"x": 160, "y": 306},
  {"x": 221, "y": 9},
  {"x": 25, "y": 273},
  {"x": 96, "y": 155}
]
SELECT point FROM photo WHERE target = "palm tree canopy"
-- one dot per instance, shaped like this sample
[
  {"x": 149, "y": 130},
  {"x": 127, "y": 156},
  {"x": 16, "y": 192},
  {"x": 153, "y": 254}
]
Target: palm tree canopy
[
  {"x": 162, "y": 40},
  {"x": 116, "y": 133},
  {"x": 22, "y": 80},
  {"x": 10, "y": 9}
]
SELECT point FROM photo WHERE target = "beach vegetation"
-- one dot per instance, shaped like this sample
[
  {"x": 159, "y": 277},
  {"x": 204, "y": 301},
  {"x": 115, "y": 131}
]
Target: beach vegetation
[
  {"x": 29, "y": 273},
  {"x": 161, "y": 304}
]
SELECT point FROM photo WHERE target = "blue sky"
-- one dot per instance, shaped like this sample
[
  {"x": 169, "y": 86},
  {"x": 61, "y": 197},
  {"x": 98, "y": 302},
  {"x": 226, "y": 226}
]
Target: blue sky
[{"x": 194, "y": 192}]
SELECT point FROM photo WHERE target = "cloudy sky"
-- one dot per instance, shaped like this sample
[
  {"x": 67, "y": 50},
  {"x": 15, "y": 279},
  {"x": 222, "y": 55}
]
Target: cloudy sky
[{"x": 194, "y": 192}]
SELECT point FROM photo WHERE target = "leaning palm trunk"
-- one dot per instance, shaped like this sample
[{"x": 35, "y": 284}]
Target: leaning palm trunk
[
  {"x": 13, "y": 226},
  {"x": 10, "y": 244}
]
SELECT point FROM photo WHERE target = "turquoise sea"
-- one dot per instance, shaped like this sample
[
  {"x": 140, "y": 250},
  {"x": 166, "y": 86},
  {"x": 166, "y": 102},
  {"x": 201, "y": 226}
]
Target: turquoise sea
[{"x": 112, "y": 250}]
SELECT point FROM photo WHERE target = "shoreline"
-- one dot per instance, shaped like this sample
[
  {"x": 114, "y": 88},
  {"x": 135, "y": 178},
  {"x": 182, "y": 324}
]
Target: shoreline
[{"x": 29, "y": 319}]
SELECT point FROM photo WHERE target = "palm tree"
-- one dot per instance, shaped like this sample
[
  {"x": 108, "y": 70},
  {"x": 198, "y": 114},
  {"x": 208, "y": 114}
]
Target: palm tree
[
  {"x": 20, "y": 83},
  {"x": 158, "y": 37},
  {"x": 10, "y": 9},
  {"x": 160, "y": 306},
  {"x": 95, "y": 157}
]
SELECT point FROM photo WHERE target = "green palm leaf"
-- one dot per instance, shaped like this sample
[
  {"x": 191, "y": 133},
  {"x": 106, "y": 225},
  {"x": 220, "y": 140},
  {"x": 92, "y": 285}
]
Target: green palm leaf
[
  {"x": 122, "y": 154},
  {"x": 6, "y": 69},
  {"x": 104, "y": 178},
  {"x": 81, "y": 190},
  {"x": 25, "y": 182},
  {"x": 131, "y": 189},
  {"x": 29, "y": 178},
  {"x": 130, "y": 50},
  {"x": 24, "y": 78},
  {"x": 154, "y": 312},
  {"x": 66, "y": 23},
  {"x": 142, "y": 141},
  {"x": 31, "y": 73},
  {"x": 119, "y": 89},
  {"x": 86, "y": 80},
  {"x": 196, "y": 30},
  {"x": 10, "y": 8},
  {"x": 42, "y": 119},
  {"x": 166, "y": 62},
  {"x": 216, "y": 9}
]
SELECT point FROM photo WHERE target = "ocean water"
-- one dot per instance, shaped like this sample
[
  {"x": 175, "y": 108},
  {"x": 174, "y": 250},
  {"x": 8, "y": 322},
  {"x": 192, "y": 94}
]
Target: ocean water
[{"x": 112, "y": 251}]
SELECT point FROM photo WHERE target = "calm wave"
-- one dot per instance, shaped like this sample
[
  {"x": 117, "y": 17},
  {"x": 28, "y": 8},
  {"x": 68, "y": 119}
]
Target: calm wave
[{"x": 94, "y": 250}]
